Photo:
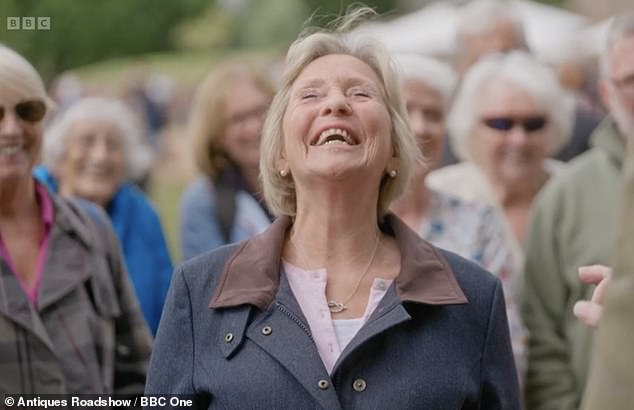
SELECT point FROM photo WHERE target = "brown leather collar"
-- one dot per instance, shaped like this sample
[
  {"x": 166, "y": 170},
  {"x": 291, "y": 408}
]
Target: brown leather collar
[{"x": 251, "y": 275}]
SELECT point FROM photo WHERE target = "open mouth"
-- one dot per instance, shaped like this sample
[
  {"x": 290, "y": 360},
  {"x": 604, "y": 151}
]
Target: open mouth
[
  {"x": 334, "y": 136},
  {"x": 10, "y": 149}
]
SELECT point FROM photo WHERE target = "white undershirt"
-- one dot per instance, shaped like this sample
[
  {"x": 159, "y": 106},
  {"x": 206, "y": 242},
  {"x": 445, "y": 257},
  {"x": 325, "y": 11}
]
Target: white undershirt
[{"x": 345, "y": 329}]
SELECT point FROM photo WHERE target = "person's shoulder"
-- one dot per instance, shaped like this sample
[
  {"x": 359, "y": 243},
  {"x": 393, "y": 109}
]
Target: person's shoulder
[
  {"x": 208, "y": 266},
  {"x": 574, "y": 176},
  {"x": 198, "y": 192}
]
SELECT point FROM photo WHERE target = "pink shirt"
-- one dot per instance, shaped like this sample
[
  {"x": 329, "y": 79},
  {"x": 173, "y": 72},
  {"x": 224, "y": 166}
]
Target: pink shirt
[
  {"x": 46, "y": 214},
  {"x": 309, "y": 288}
]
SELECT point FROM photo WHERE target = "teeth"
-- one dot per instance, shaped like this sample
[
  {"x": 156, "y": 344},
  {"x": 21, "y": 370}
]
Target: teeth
[
  {"x": 10, "y": 150},
  {"x": 323, "y": 137}
]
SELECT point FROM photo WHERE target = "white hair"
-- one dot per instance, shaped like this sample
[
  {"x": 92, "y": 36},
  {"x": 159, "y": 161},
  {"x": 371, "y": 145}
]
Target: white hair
[
  {"x": 138, "y": 155},
  {"x": 17, "y": 74},
  {"x": 520, "y": 69},
  {"x": 622, "y": 26},
  {"x": 435, "y": 74},
  {"x": 481, "y": 16}
]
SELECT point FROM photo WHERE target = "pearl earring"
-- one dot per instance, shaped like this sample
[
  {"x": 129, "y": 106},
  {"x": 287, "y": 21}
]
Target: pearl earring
[
  {"x": 393, "y": 173},
  {"x": 283, "y": 173}
]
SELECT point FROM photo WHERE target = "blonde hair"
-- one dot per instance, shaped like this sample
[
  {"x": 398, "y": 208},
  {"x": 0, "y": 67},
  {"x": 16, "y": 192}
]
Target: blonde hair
[
  {"x": 17, "y": 74},
  {"x": 207, "y": 122},
  {"x": 279, "y": 192}
]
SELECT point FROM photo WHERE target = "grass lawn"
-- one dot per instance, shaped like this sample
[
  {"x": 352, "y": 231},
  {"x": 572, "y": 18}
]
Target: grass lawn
[{"x": 166, "y": 198}]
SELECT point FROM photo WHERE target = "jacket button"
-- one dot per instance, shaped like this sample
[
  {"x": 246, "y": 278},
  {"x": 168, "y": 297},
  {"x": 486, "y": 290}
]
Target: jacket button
[
  {"x": 323, "y": 384},
  {"x": 359, "y": 385},
  {"x": 267, "y": 330},
  {"x": 229, "y": 337}
]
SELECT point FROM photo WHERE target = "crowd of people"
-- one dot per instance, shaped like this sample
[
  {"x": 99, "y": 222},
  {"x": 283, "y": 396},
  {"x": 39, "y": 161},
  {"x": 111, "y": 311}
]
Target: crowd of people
[{"x": 370, "y": 230}]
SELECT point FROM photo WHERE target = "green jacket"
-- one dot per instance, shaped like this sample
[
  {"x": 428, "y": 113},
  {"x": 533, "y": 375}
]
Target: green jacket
[
  {"x": 611, "y": 381},
  {"x": 574, "y": 223}
]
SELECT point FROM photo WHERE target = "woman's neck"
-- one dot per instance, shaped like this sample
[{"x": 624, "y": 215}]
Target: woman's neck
[
  {"x": 335, "y": 228},
  {"x": 17, "y": 199}
]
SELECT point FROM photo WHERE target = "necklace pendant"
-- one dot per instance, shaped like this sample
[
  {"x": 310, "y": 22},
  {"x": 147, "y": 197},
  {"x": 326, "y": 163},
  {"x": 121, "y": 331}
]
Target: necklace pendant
[{"x": 336, "y": 307}]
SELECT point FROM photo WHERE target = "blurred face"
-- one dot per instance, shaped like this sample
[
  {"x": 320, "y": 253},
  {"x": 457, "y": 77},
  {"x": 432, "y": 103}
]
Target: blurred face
[
  {"x": 426, "y": 112},
  {"x": 93, "y": 166},
  {"x": 245, "y": 108},
  {"x": 619, "y": 94},
  {"x": 20, "y": 134},
  {"x": 508, "y": 140},
  {"x": 336, "y": 122}
]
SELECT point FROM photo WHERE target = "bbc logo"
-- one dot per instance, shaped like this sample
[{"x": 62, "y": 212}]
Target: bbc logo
[{"x": 28, "y": 23}]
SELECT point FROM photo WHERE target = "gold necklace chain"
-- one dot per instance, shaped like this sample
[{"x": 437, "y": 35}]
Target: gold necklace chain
[{"x": 333, "y": 305}]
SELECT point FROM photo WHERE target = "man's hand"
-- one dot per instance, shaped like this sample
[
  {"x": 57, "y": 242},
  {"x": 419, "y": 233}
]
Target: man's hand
[{"x": 589, "y": 312}]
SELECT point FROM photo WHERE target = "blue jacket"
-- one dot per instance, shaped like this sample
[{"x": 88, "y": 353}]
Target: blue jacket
[
  {"x": 138, "y": 228},
  {"x": 200, "y": 230},
  {"x": 234, "y": 336}
]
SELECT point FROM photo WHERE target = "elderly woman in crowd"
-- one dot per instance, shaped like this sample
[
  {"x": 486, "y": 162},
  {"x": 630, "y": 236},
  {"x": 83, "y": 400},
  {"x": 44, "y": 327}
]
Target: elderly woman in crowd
[
  {"x": 470, "y": 229},
  {"x": 92, "y": 151},
  {"x": 338, "y": 304},
  {"x": 509, "y": 115},
  {"x": 69, "y": 321},
  {"x": 225, "y": 204}
]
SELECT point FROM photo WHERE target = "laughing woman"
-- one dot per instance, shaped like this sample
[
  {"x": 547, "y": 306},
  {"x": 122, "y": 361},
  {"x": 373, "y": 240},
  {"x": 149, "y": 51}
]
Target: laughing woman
[
  {"x": 338, "y": 304},
  {"x": 69, "y": 321}
]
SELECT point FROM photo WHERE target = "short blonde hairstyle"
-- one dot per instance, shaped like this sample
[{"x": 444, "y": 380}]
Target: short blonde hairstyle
[
  {"x": 279, "y": 192},
  {"x": 138, "y": 155},
  {"x": 18, "y": 75},
  {"x": 207, "y": 121},
  {"x": 521, "y": 70}
]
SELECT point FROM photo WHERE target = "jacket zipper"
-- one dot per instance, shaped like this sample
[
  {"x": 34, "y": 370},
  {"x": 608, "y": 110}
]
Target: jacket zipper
[{"x": 294, "y": 318}]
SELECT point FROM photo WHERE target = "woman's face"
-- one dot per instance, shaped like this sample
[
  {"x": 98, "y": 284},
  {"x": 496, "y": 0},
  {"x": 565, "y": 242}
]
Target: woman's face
[
  {"x": 245, "y": 109},
  {"x": 93, "y": 165},
  {"x": 336, "y": 123},
  {"x": 509, "y": 136},
  {"x": 426, "y": 112},
  {"x": 20, "y": 134}
]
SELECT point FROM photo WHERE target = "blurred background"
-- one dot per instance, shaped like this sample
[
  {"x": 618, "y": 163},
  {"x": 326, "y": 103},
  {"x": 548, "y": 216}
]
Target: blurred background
[{"x": 153, "y": 53}]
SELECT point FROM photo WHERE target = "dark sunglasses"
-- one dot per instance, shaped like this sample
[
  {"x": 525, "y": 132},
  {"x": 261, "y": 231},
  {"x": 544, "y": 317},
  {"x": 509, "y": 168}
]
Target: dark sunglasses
[
  {"x": 529, "y": 124},
  {"x": 29, "y": 111}
]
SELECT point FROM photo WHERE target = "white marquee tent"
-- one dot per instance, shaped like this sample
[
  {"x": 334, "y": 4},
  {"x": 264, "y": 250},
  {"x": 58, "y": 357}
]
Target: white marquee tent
[{"x": 551, "y": 32}]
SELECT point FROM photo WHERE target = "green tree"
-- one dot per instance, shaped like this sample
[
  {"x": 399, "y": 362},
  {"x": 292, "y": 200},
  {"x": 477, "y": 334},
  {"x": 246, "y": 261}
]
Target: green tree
[{"x": 83, "y": 32}]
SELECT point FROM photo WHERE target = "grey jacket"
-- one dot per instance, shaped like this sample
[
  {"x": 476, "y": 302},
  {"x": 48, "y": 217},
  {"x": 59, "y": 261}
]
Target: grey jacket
[
  {"x": 233, "y": 335},
  {"x": 87, "y": 334}
]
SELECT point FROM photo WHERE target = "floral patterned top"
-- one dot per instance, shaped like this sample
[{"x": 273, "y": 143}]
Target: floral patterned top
[{"x": 476, "y": 232}]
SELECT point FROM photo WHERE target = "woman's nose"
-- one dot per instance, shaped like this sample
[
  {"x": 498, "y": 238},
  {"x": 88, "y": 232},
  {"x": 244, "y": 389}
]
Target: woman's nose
[
  {"x": 10, "y": 125},
  {"x": 336, "y": 104}
]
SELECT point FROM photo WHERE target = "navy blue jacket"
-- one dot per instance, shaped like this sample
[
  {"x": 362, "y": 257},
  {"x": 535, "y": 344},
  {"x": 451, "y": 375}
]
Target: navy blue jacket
[{"x": 233, "y": 334}]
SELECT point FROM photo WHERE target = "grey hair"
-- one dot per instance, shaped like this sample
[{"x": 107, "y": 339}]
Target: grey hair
[
  {"x": 524, "y": 71},
  {"x": 20, "y": 76},
  {"x": 480, "y": 16},
  {"x": 622, "y": 26},
  {"x": 138, "y": 156},
  {"x": 279, "y": 192},
  {"x": 434, "y": 73}
]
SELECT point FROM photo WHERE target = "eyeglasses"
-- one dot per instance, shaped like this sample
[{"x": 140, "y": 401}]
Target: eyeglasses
[
  {"x": 529, "y": 124},
  {"x": 29, "y": 111}
]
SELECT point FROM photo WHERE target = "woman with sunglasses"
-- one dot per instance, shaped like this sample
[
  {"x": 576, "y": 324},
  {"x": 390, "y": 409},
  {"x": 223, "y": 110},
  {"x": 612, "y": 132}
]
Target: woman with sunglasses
[
  {"x": 470, "y": 229},
  {"x": 69, "y": 320},
  {"x": 509, "y": 115}
]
